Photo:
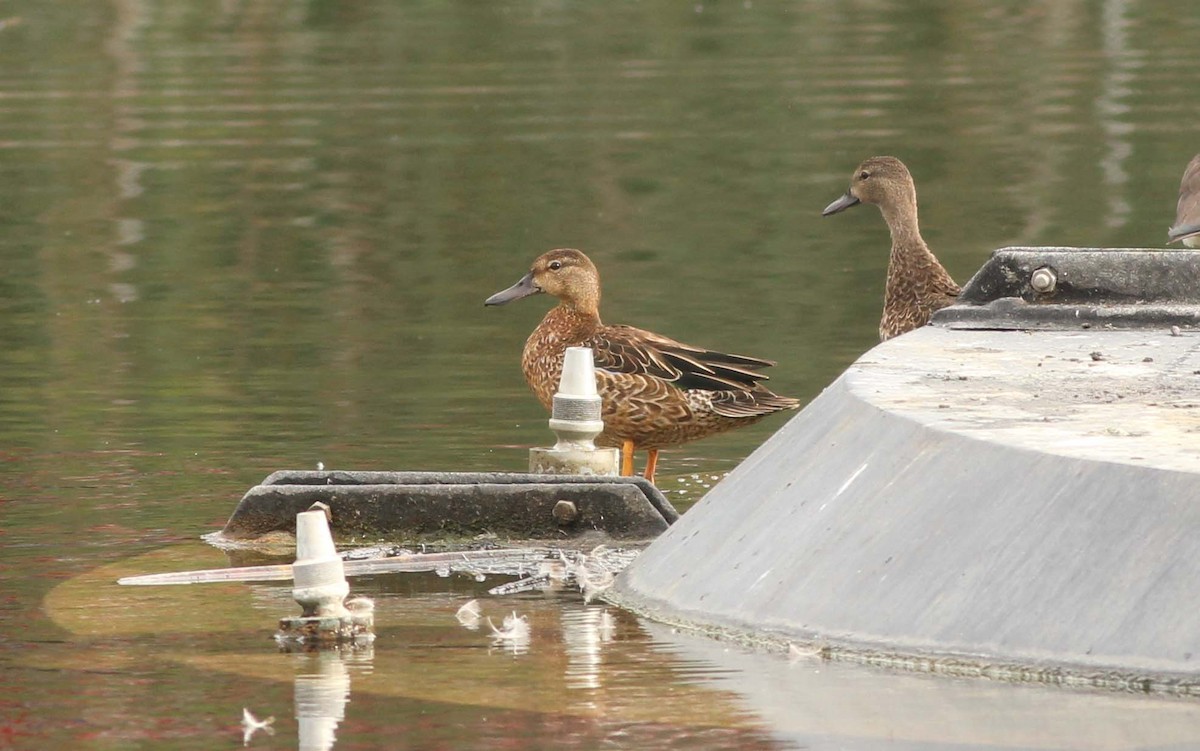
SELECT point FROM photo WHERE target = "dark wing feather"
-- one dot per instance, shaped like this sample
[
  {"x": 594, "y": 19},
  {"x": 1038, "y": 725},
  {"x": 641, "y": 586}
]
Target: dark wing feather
[{"x": 625, "y": 349}]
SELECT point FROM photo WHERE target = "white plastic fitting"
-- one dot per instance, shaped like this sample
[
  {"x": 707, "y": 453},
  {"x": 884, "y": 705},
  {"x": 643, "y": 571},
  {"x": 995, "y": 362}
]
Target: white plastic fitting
[
  {"x": 578, "y": 377},
  {"x": 575, "y": 420},
  {"x": 575, "y": 414},
  {"x": 319, "y": 576}
]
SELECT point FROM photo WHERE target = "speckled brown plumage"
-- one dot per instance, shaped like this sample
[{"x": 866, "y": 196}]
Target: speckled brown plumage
[
  {"x": 917, "y": 285},
  {"x": 655, "y": 391},
  {"x": 1186, "y": 228}
]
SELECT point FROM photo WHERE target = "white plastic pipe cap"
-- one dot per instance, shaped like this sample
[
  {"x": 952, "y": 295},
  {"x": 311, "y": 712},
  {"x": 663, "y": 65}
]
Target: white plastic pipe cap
[
  {"x": 314, "y": 542},
  {"x": 578, "y": 373},
  {"x": 318, "y": 576}
]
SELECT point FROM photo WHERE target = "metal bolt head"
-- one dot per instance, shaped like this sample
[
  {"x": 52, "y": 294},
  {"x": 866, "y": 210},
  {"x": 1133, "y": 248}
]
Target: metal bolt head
[
  {"x": 1043, "y": 280},
  {"x": 565, "y": 512}
]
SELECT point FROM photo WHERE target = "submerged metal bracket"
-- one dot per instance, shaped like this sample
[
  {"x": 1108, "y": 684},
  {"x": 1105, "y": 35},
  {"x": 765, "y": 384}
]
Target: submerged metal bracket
[{"x": 1073, "y": 288}]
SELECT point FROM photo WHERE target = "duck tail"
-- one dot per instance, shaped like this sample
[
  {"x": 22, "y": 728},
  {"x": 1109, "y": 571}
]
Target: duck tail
[{"x": 755, "y": 403}]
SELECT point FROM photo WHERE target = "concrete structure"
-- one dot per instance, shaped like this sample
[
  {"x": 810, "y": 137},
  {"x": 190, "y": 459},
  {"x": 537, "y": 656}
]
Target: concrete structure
[
  {"x": 994, "y": 502},
  {"x": 411, "y": 505}
]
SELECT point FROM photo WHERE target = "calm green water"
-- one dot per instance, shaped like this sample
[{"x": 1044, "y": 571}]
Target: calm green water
[{"x": 243, "y": 236}]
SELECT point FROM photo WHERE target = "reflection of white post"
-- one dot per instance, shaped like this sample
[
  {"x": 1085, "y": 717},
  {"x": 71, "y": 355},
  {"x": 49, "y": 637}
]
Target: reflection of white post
[
  {"x": 582, "y": 644},
  {"x": 575, "y": 419},
  {"x": 321, "y": 697}
]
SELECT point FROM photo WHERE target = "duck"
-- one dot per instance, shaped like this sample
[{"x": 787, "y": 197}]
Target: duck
[
  {"x": 1187, "y": 212},
  {"x": 917, "y": 284},
  {"x": 655, "y": 392}
]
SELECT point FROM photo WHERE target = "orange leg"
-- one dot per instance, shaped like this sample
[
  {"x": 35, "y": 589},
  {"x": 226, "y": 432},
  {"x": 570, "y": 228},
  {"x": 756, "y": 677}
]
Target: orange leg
[
  {"x": 626, "y": 458},
  {"x": 651, "y": 464}
]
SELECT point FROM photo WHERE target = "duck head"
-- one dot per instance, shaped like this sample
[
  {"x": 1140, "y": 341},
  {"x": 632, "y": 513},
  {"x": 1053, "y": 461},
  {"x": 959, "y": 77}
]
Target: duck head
[
  {"x": 565, "y": 273},
  {"x": 881, "y": 180}
]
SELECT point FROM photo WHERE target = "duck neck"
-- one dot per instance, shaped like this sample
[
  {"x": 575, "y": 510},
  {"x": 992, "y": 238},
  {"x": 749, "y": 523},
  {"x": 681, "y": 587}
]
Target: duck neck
[
  {"x": 902, "y": 221},
  {"x": 572, "y": 322},
  {"x": 910, "y": 257},
  {"x": 564, "y": 326}
]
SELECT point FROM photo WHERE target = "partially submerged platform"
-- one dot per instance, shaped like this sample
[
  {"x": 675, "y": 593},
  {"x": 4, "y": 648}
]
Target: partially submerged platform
[
  {"x": 441, "y": 505},
  {"x": 978, "y": 499}
]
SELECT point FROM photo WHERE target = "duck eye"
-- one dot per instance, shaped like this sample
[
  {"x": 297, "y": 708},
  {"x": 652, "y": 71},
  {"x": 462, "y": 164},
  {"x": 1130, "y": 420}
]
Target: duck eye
[
  {"x": 863, "y": 175},
  {"x": 555, "y": 265}
]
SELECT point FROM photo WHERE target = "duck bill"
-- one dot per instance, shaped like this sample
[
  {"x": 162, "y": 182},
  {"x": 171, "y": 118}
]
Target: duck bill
[
  {"x": 523, "y": 288},
  {"x": 841, "y": 204},
  {"x": 1183, "y": 233}
]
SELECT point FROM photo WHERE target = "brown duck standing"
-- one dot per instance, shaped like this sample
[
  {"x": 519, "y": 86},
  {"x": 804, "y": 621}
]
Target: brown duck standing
[
  {"x": 917, "y": 285},
  {"x": 655, "y": 391},
  {"x": 1187, "y": 212}
]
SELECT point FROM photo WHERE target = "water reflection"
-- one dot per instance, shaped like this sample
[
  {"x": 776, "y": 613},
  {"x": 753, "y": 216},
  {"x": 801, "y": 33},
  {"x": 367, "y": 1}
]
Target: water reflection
[
  {"x": 1111, "y": 110},
  {"x": 820, "y": 705},
  {"x": 587, "y": 671},
  {"x": 585, "y": 633},
  {"x": 322, "y": 692},
  {"x": 246, "y": 236}
]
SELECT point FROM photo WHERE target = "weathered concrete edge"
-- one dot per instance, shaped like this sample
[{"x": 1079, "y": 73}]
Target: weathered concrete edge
[
  {"x": 677, "y": 605},
  {"x": 515, "y": 510},
  {"x": 655, "y": 496},
  {"x": 947, "y": 663}
]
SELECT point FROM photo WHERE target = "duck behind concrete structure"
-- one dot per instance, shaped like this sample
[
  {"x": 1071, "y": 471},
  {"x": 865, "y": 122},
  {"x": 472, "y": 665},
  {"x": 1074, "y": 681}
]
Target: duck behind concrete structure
[
  {"x": 917, "y": 284},
  {"x": 655, "y": 391},
  {"x": 1187, "y": 212}
]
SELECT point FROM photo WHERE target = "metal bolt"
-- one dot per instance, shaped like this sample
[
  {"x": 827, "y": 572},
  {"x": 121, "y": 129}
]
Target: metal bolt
[
  {"x": 565, "y": 512},
  {"x": 1043, "y": 280}
]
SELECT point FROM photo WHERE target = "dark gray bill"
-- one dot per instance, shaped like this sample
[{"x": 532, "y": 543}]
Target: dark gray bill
[
  {"x": 1175, "y": 234},
  {"x": 523, "y": 288},
  {"x": 840, "y": 204}
]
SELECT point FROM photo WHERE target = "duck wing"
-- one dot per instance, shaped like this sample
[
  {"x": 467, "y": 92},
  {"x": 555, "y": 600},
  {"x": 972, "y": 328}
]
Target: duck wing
[
  {"x": 945, "y": 288},
  {"x": 625, "y": 349}
]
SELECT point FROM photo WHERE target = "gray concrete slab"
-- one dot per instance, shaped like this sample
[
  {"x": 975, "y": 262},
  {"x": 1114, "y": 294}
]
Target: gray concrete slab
[
  {"x": 402, "y": 506},
  {"x": 980, "y": 502}
]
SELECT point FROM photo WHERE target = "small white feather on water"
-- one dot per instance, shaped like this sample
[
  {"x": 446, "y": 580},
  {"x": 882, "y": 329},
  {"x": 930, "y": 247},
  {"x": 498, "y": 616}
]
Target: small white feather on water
[
  {"x": 251, "y": 725},
  {"x": 515, "y": 629},
  {"x": 797, "y": 653},
  {"x": 469, "y": 614}
]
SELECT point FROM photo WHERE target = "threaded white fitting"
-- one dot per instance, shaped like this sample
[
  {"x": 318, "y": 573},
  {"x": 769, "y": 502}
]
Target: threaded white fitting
[
  {"x": 575, "y": 420},
  {"x": 575, "y": 414}
]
